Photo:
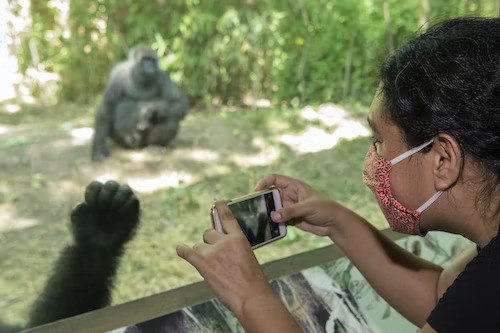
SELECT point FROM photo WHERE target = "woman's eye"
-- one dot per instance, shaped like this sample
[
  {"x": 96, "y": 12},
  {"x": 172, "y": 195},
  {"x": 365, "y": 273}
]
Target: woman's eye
[{"x": 375, "y": 141}]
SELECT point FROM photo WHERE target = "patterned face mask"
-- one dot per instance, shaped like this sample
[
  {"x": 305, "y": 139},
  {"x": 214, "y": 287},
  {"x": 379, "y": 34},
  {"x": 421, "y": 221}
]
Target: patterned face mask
[{"x": 376, "y": 177}]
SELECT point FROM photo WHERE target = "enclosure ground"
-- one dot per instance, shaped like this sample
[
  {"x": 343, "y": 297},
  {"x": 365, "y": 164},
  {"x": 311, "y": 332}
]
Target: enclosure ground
[{"x": 45, "y": 166}]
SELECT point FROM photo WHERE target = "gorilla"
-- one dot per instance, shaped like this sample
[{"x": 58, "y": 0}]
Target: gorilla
[
  {"x": 83, "y": 275},
  {"x": 141, "y": 106}
]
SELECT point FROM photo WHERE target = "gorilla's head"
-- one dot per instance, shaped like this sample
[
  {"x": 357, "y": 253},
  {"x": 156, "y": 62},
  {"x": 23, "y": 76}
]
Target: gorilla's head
[{"x": 145, "y": 64}]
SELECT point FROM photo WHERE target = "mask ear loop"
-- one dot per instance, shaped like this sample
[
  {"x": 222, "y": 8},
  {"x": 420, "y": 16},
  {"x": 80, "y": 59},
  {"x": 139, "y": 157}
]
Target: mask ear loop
[
  {"x": 429, "y": 202},
  {"x": 410, "y": 152}
]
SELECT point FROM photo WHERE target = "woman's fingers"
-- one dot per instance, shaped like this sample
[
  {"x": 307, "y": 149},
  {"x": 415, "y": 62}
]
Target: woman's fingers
[
  {"x": 266, "y": 182},
  {"x": 195, "y": 255},
  {"x": 227, "y": 219},
  {"x": 211, "y": 236},
  {"x": 190, "y": 255},
  {"x": 279, "y": 181}
]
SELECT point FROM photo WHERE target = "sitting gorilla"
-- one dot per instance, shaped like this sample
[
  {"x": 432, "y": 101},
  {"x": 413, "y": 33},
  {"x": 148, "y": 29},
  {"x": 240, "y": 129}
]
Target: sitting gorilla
[
  {"x": 141, "y": 105},
  {"x": 83, "y": 275}
]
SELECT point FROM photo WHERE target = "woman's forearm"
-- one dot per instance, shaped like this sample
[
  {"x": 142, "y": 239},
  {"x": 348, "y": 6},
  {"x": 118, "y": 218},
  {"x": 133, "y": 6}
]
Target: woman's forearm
[
  {"x": 405, "y": 281},
  {"x": 266, "y": 313}
]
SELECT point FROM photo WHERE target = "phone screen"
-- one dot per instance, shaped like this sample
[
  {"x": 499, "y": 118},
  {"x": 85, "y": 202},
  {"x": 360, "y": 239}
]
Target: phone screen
[{"x": 253, "y": 216}]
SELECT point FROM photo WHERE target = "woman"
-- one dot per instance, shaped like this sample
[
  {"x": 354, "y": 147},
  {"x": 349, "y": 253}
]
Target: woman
[{"x": 434, "y": 165}]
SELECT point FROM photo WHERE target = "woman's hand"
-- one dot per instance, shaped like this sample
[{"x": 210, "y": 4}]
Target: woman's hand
[
  {"x": 227, "y": 263},
  {"x": 303, "y": 206}
]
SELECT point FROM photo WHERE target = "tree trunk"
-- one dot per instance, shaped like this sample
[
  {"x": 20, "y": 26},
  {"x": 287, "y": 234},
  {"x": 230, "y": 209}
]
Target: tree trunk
[
  {"x": 466, "y": 6},
  {"x": 303, "y": 58},
  {"x": 388, "y": 25},
  {"x": 348, "y": 67},
  {"x": 424, "y": 18}
]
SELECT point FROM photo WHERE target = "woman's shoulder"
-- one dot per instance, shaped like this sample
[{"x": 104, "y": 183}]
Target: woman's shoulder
[{"x": 473, "y": 297}]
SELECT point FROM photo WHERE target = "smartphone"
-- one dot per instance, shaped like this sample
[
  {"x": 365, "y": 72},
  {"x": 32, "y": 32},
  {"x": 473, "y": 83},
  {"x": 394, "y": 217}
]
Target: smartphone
[{"x": 253, "y": 213}]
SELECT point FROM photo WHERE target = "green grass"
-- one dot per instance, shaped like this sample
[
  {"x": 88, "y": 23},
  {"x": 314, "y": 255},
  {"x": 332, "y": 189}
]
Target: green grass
[
  {"x": 177, "y": 214},
  {"x": 184, "y": 212}
]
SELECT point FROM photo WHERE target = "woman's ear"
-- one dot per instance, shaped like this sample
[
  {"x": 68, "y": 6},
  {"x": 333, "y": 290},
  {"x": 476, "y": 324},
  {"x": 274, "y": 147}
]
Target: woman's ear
[{"x": 447, "y": 161}]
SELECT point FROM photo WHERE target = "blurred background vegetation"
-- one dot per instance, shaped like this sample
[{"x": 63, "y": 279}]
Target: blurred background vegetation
[
  {"x": 220, "y": 52},
  {"x": 266, "y": 59}
]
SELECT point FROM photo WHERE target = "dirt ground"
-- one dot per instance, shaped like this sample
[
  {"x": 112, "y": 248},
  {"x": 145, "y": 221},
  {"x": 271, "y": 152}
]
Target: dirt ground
[
  {"x": 45, "y": 166},
  {"x": 49, "y": 164}
]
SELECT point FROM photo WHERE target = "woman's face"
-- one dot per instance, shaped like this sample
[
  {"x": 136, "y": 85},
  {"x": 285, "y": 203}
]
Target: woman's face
[{"x": 411, "y": 179}]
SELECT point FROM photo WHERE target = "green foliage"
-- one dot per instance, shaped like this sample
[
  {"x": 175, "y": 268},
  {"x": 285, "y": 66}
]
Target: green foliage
[
  {"x": 40, "y": 48},
  {"x": 318, "y": 36},
  {"x": 220, "y": 52},
  {"x": 84, "y": 54}
]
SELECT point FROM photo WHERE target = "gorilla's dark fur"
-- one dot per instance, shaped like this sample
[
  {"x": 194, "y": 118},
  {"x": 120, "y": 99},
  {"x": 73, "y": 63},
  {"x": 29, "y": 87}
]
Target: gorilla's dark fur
[
  {"x": 141, "y": 105},
  {"x": 83, "y": 275}
]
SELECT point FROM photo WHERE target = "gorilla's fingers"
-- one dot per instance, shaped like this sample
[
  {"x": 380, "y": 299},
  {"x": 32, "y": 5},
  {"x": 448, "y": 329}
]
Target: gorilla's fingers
[
  {"x": 121, "y": 196},
  {"x": 131, "y": 207},
  {"x": 79, "y": 212},
  {"x": 91, "y": 192},
  {"x": 107, "y": 193}
]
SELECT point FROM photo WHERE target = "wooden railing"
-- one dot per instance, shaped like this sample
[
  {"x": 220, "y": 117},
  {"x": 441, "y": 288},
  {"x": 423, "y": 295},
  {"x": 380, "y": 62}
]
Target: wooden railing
[{"x": 117, "y": 316}]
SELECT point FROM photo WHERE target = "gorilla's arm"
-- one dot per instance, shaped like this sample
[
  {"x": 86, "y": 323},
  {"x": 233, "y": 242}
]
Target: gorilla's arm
[
  {"x": 102, "y": 129},
  {"x": 174, "y": 110},
  {"x": 81, "y": 284},
  {"x": 84, "y": 272},
  {"x": 162, "y": 134},
  {"x": 103, "y": 125},
  {"x": 175, "y": 99}
]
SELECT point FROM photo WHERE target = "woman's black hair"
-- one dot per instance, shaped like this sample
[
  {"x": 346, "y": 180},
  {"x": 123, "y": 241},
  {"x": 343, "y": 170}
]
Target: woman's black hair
[{"x": 447, "y": 80}]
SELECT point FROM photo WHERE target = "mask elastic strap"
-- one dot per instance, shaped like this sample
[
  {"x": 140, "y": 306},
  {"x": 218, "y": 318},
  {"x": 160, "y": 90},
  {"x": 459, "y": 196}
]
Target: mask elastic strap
[
  {"x": 411, "y": 152},
  {"x": 429, "y": 202}
]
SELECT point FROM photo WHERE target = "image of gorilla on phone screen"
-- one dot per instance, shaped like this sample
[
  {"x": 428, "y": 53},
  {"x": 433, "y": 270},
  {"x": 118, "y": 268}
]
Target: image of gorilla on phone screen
[
  {"x": 254, "y": 220},
  {"x": 253, "y": 216},
  {"x": 253, "y": 213}
]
